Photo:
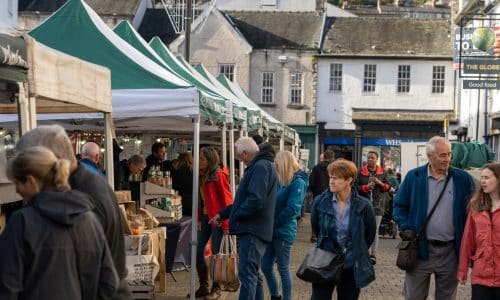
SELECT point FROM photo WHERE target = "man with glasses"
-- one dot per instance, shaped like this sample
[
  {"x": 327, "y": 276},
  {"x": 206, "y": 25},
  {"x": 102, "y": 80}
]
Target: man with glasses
[
  {"x": 371, "y": 182},
  {"x": 440, "y": 242},
  {"x": 251, "y": 216}
]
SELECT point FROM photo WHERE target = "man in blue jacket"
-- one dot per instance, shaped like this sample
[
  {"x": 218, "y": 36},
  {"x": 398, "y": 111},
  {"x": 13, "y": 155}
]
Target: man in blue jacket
[
  {"x": 440, "y": 243},
  {"x": 251, "y": 217}
]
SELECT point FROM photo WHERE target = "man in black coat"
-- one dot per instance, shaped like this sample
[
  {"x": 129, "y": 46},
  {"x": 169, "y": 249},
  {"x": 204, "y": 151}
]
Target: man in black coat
[{"x": 54, "y": 137}]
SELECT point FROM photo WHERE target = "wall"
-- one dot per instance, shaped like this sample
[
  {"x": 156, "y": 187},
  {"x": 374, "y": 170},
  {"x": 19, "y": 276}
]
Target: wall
[
  {"x": 282, "y": 5},
  {"x": 296, "y": 61},
  {"x": 336, "y": 108},
  {"x": 218, "y": 43},
  {"x": 8, "y": 12}
]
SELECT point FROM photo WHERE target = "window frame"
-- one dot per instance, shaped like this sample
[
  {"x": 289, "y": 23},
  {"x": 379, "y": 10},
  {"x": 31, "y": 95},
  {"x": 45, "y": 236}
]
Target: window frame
[
  {"x": 294, "y": 88},
  {"x": 438, "y": 84},
  {"x": 336, "y": 73},
  {"x": 265, "y": 87},
  {"x": 229, "y": 75},
  {"x": 369, "y": 78},
  {"x": 404, "y": 79}
]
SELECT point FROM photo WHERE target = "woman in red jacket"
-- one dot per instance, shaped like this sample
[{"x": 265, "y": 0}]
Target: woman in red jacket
[
  {"x": 481, "y": 239},
  {"x": 215, "y": 195}
]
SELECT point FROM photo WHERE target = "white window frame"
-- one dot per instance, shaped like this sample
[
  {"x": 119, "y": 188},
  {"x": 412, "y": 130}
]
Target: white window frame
[
  {"x": 296, "y": 88},
  {"x": 267, "y": 90},
  {"x": 336, "y": 78},
  {"x": 229, "y": 70},
  {"x": 438, "y": 79},
  {"x": 404, "y": 78},
  {"x": 369, "y": 78}
]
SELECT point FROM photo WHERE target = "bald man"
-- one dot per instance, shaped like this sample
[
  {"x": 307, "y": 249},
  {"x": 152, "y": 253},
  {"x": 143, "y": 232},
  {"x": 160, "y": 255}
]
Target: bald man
[{"x": 91, "y": 153}]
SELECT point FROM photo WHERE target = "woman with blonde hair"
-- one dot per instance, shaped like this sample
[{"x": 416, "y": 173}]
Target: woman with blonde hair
[
  {"x": 290, "y": 194},
  {"x": 481, "y": 238},
  {"x": 54, "y": 247}
]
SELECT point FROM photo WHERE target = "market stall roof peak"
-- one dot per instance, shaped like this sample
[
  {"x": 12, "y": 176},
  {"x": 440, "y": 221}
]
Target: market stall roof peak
[{"x": 77, "y": 30}]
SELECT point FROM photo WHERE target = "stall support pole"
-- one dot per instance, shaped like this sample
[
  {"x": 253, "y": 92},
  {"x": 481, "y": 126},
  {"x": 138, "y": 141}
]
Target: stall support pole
[
  {"x": 242, "y": 166},
  {"x": 194, "y": 226},
  {"x": 224, "y": 144},
  {"x": 231, "y": 160},
  {"x": 108, "y": 159},
  {"x": 282, "y": 139},
  {"x": 24, "y": 108}
]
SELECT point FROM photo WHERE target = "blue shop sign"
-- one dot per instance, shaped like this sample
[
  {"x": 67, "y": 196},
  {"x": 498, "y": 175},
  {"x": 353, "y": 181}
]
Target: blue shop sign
[{"x": 369, "y": 142}]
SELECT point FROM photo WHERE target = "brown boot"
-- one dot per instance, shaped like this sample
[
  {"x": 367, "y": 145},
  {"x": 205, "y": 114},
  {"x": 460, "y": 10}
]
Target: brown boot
[
  {"x": 215, "y": 292},
  {"x": 203, "y": 290}
]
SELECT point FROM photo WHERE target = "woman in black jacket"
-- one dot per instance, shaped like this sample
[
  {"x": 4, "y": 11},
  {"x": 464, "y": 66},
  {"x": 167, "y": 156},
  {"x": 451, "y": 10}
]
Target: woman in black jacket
[{"x": 54, "y": 247}]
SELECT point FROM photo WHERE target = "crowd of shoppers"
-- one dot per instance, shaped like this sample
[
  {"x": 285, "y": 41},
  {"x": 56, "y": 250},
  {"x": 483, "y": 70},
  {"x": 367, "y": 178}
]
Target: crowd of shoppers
[{"x": 67, "y": 241}]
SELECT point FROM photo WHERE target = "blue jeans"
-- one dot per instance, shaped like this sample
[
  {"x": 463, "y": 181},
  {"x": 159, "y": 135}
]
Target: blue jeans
[
  {"x": 346, "y": 289},
  {"x": 278, "y": 251},
  {"x": 250, "y": 252},
  {"x": 207, "y": 232}
]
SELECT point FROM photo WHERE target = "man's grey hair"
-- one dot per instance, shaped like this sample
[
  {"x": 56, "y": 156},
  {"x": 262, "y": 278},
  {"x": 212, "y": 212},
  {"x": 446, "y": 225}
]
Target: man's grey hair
[
  {"x": 136, "y": 159},
  {"x": 53, "y": 137},
  {"x": 90, "y": 150},
  {"x": 430, "y": 146},
  {"x": 246, "y": 144}
]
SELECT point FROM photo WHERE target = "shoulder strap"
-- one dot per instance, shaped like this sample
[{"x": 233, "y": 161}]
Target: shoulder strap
[{"x": 422, "y": 230}]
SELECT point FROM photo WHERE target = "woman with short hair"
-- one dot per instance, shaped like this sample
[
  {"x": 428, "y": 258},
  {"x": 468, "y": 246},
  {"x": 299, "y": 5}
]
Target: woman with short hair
[
  {"x": 54, "y": 247},
  {"x": 343, "y": 221}
]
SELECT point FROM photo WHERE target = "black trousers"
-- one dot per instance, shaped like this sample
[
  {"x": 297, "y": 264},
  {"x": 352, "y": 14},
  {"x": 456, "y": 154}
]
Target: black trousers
[
  {"x": 346, "y": 289},
  {"x": 481, "y": 292}
]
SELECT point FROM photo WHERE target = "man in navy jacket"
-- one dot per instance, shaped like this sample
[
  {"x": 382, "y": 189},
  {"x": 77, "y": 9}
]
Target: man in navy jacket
[
  {"x": 440, "y": 243},
  {"x": 251, "y": 216}
]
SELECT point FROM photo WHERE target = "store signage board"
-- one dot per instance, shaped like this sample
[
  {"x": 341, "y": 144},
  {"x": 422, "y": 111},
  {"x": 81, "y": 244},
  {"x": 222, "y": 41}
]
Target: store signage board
[
  {"x": 482, "y": 66},
  {"x": 481, "y": 84}
]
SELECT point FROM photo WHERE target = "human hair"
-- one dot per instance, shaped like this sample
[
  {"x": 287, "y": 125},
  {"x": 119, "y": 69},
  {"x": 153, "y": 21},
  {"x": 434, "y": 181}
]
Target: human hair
[
  {"x": 390, "y": 171},
  {"x": 185, "y": 160},
  {"x": 210, "y": 154},
  {"x": 287, "y": 166},
  {"x": 482, "y": 200},
  {"x": 328, "y": 155},
  {"x": 343, "y": 168},
  {"x": 430, "y": 146},
  {"x": 136, "y": 159},
  {"x": 90, "y": 150},
  {"x": 156, "y": 147},
  {"x": 246, "y": 144},
  {"x": 53, "y": 137},
  {"x": 51, "y": 172},
  {"x": 372, "y": 152}
]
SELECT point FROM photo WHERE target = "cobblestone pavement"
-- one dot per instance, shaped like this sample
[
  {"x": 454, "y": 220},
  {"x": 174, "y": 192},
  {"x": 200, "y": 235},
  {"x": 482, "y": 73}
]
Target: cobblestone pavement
[{"x": 387, "y": 286}]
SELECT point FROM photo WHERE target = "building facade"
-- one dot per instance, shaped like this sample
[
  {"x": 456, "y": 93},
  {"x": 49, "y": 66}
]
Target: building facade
[{"x": 8, "y": 12}]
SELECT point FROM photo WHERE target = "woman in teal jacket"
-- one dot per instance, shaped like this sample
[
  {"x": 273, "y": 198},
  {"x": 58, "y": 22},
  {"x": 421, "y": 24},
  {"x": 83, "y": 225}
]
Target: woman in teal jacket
[
  {"x": 344, "y": 221},
  {"x": 289, "y": 197}
]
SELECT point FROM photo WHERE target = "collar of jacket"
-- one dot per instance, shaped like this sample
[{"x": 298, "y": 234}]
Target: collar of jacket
[
  {"x": 354, "y": 199},
  {"x": 365, "y": 172},
  {"x": 267, "y": 155}
]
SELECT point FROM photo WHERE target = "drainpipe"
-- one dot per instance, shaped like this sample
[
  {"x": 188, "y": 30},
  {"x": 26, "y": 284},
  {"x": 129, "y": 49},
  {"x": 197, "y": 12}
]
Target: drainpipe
[{"x": 486, "y": 136}]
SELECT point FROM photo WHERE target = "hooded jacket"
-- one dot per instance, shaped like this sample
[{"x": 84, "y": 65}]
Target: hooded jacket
[
  {"x": 108, "y": 213},
  {"x": 217, "y": 194},
  {"x": 319, "y": 179},
  {"x": 288, "y": 206},
  {"x": 55, "y": 248},
  {"x": 253, "y": 209}
]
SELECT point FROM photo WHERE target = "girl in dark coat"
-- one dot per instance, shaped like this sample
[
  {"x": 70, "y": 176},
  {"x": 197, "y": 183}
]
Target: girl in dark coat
[{"x": 54, "y": 247}]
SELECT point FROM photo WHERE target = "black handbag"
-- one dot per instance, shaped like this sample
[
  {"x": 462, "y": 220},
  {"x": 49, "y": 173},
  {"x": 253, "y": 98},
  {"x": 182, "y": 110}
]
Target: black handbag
[
  {"x": 408, "y": 247},
  {"x": 321, "y": 266}
]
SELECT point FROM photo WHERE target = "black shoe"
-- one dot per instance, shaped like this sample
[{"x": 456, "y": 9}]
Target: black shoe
[{"x": 373, "y": 259}]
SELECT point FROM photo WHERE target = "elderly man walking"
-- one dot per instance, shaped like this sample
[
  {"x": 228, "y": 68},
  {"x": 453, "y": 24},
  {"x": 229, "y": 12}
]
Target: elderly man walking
[
  {"x": 440, "y": 241},
  {"x": 91, "y": 154},
  {"x": 251, "y": 216},
  {"x": 54, "y": 137}
]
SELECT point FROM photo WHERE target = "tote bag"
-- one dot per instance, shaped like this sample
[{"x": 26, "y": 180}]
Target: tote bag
[{"x": 224, "y": 265}]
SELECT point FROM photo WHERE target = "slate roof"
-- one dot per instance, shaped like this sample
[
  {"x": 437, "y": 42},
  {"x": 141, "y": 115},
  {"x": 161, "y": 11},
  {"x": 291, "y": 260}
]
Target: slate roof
[
  {"x": 101, "y": 7},
  {"x": 157, "y": 23},
  {"x": 388, "y": 37},
  {"x": 268, "y": 30},
  {"x": 392, "y": 10}
]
